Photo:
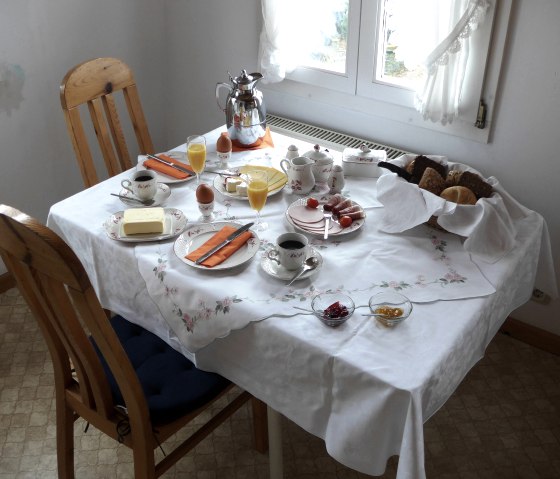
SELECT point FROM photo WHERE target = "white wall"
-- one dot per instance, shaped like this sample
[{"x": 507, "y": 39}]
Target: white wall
[
  {"x": 179, "y": 49},
  {"x": 39, "y": 42},
  {"x": 206, "y": 40}
]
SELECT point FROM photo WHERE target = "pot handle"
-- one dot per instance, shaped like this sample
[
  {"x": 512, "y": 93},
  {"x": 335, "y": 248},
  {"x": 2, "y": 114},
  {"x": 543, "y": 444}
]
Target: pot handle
[{"x": 218, "y": 86}]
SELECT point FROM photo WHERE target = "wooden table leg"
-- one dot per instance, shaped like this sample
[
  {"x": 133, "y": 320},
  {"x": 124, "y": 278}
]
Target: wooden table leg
[
  {"x": 275, "y": 444},
  {"x": 260, "y": 425}
]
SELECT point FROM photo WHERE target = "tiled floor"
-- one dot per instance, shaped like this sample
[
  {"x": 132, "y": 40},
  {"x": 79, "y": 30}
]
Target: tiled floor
[{"x": 502, "y": 422}]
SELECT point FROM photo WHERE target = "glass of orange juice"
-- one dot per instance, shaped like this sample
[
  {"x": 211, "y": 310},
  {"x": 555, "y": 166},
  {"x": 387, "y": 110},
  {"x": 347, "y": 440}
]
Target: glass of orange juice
[
  {"x": 196, "y": 152},
  {"x": 257, "y": 191}
]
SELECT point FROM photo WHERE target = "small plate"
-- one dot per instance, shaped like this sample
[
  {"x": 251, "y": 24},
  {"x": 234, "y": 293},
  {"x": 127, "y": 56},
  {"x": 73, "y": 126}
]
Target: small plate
[
  {"x": 175, "y": 223},
  {"x": 163, "y": 192},
  {"x": 196, "y": 235},
  {"x": 307, "y": 223},
  {"x": 162, "y": 177},
  {"x": 220, "y": 186},
  {"x": 277, "y": 271}
]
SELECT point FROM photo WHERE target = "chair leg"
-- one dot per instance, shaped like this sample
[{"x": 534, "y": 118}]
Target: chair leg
[
  {"x": 143, "y": 457},
  {"x": 260, "y": 425},
  {"x": 64, "y": 438}
]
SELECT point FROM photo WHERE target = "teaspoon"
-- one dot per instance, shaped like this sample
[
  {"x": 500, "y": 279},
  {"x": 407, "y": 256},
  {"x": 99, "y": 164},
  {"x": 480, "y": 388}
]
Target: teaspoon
[
  {"x": 310, "y": 263},
  {"x": 144, "y": 202}
]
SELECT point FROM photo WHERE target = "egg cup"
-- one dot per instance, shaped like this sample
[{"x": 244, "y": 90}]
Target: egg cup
[{"x": 207, "y": 210}]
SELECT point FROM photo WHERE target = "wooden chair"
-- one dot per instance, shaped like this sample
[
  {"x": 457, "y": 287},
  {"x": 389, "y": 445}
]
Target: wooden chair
[
  {"x": 95, "y": 82},
  {"x": 112, "y": 373}
]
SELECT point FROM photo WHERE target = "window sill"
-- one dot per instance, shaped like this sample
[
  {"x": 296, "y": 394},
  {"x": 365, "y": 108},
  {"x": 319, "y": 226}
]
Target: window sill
[{"x": 287, "y": 91}]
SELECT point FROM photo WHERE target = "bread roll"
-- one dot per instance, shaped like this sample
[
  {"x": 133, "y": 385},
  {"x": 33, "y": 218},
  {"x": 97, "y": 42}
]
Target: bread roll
[
  {"x": 459, "y": 194},
  {"x": 452, "y": 178},
  {"x": 475, "y": 183},
  {"x": 432, "y": 181},
  {"x": 421, "y": 163}
]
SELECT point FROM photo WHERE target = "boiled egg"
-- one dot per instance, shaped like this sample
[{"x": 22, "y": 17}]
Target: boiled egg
[{"x": 204, "y": 194}]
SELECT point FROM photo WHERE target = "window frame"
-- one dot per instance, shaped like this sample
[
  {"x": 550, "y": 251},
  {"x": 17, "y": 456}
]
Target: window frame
[{"x": 363, "y": 94}]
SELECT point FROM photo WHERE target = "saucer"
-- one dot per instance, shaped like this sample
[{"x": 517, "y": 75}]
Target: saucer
[
  {"x": 277, "y": 271},
  {"x": 163, "y": 192}
]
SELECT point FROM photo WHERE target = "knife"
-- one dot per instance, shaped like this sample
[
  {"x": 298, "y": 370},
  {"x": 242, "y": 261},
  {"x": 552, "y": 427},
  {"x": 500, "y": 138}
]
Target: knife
[
  {"x": 172, "y": 165},
  {"x": 228, "y": 240}
]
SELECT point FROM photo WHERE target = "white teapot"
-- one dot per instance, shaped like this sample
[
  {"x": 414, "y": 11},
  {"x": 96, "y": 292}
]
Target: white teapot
[
  {"x": 322, "y": 163},
  {"x": 300, "y": 176}
]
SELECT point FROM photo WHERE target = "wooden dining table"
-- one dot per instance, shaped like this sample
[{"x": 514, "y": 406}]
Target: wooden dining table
[{"x": 364, "y": 388}]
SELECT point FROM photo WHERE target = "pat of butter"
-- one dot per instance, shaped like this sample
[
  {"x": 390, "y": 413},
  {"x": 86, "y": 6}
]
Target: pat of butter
[
  {"x": 231, "y": 184},
  {"x": 143, "y": 220},
  {"x": 242, "y": 189}
]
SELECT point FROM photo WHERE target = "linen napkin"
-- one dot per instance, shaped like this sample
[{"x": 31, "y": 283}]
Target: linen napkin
[
  {"x": 264, "y": 142},
  {"x": 167, "y": 170},
  {"x": 222, "y": 254}
]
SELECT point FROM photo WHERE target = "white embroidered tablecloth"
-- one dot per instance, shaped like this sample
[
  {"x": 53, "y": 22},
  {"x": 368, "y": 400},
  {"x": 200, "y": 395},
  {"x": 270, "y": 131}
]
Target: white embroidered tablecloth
[{"x": 365, "y": 389}]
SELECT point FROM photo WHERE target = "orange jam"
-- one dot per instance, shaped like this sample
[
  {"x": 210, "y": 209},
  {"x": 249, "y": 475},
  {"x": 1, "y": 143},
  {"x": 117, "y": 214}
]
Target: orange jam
[{"x": 389, "y": 312}]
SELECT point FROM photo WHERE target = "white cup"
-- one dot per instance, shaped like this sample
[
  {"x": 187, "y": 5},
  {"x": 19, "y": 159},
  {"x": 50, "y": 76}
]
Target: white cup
[
  {"x": 290, "y": 251},
  {"x": 143, "y": 184}
]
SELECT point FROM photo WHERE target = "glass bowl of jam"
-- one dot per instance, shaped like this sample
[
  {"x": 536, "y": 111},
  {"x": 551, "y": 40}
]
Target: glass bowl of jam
[
  {"x": 333, "y": 309},
  {"x": 390, "y": 308}
]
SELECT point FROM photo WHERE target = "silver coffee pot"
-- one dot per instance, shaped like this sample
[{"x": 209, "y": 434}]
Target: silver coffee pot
[{"x": 245, "y": 110}]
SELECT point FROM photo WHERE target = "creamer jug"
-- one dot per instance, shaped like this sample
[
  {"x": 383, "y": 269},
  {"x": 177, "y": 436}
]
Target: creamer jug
[{"x": 300, "y": 175}]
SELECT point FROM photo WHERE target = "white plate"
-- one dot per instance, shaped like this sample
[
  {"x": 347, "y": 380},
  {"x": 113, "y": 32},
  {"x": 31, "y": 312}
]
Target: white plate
[
  {"x": 317, "y": 228},
  {"x": 219, "y": 185},
  {"x": 277, "y": 271},
  {"x": 196, "y": 235},
  {"x": 175, "y": 223},
  {"x": 163, "y": 192},
  {"x": 162, "y": 177}
]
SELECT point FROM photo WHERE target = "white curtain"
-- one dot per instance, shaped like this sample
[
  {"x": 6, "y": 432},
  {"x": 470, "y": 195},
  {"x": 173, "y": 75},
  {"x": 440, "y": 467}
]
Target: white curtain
[
  {"x": 447, "y": 64},
  {"x": 286, "y": 37}
]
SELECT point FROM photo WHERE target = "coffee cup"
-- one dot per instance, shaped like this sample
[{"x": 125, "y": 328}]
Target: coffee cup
[
  {"x": 142, "y": 184},
  {"x": 290, "y": 250}
]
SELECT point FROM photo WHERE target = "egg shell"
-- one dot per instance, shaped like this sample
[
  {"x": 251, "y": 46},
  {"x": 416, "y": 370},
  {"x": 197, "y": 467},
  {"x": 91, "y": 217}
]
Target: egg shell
[{"x": 204, "y": 194}]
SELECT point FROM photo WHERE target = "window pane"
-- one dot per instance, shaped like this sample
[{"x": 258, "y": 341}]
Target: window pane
[
  {"x": 404, "y": 42},
  {"x": 326, "y": 35}
]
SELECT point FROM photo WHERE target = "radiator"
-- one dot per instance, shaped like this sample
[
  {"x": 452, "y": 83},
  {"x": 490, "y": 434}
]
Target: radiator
[{"x": 326, "y": 138}]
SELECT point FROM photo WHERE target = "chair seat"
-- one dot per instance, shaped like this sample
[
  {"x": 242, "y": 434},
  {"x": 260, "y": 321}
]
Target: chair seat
[{"x": 172, "y": 384}]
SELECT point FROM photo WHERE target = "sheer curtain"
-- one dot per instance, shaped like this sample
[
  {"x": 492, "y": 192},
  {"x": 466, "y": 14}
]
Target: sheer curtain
[
  {"x": 286, "y": 37},
  {"x": 447, "y": 64}
]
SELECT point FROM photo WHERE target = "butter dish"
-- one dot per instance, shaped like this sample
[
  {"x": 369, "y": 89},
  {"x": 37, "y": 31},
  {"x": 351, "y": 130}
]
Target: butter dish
[
  {"x": 362, "y": 161},
  {"x": 174, "y": 223}
]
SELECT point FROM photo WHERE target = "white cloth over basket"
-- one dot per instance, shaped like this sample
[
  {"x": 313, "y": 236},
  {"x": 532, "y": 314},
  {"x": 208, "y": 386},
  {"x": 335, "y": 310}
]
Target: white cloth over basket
[{"x": 488, "y": 226}]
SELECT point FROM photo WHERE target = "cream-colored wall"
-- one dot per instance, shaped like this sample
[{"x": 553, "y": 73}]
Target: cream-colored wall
[{"x": 179, "y": 49}]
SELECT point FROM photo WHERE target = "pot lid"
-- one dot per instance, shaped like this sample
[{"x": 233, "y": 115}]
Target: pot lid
[
  {"x": 246, "y": 81},
  {"x": 364, "y": 154},
  {"x": 316, "y": 154}
]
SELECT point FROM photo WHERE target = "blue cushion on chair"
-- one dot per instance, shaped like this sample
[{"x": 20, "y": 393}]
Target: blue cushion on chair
[{"x": 172, "y": 384}]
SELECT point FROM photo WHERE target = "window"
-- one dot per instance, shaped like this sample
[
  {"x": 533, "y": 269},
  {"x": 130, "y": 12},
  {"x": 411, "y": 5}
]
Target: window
[{"x": 375, "y": 51}]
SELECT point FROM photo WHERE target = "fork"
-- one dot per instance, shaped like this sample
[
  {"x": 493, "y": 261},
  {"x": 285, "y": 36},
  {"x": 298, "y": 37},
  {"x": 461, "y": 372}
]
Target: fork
[{"x": 328, "y": 216}]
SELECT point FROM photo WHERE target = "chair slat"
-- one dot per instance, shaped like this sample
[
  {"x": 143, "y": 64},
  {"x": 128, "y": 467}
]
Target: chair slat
[
  {"x": 103, "y": 136},
  {"x": 138, "y": 119},
  {"x": 77, "y": 135},
  {"x": 116, "y": 132}
]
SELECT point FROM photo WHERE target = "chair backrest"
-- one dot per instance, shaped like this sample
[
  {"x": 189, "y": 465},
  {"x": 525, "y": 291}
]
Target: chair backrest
[
  {"x": 62, "y": 299},
  {"x": 95, "y": 83}
]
